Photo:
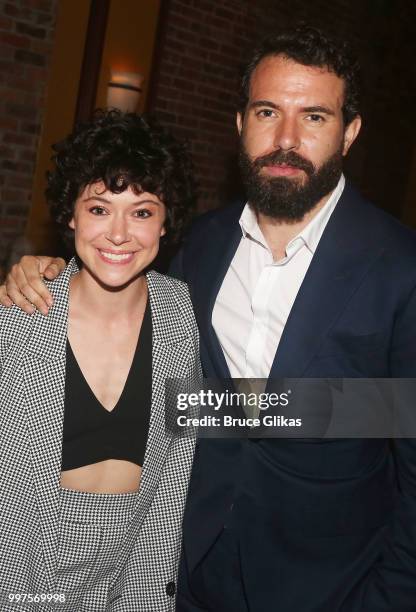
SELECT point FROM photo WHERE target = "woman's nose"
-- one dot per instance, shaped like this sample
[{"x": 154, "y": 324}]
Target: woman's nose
[{"x": 118, "y": 232}]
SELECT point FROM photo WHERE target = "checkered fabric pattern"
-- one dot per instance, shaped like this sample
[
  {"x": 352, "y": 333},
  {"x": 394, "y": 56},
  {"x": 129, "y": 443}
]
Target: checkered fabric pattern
[
  {"x": 32, "y": 385},
  {"x": 91, "y": 532}
]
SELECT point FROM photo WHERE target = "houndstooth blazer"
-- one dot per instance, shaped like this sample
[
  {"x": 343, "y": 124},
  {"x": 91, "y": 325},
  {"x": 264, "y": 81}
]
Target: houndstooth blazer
[{"x": 32, "y": 384}]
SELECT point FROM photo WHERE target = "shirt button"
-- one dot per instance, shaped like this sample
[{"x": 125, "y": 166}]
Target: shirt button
[{"x": 170, "y": 589}]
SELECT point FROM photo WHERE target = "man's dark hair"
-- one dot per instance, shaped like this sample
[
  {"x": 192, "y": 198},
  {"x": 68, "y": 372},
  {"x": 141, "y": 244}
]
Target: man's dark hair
[
  {"x": 310, "y": 47},
  {"x": 122, "y": 150}
]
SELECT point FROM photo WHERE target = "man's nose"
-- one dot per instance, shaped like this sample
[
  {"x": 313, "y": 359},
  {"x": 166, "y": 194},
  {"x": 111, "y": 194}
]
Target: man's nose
[
  {"x": 118, "y": 232},
  {"x": 287, "y": 135}
]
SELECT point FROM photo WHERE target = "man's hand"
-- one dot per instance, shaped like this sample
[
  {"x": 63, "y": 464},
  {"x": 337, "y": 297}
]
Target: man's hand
[{"x": 24, "y": 285}]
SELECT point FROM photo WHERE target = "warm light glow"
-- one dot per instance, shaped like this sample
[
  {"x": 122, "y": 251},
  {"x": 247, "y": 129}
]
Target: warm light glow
[{"x": 124, "y": 91}]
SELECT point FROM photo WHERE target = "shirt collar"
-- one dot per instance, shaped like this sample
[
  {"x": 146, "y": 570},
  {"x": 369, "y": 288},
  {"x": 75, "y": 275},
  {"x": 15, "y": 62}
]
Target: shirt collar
[
  {"x": 310, "y": 235},
  {"x": 249, "y": 226}
]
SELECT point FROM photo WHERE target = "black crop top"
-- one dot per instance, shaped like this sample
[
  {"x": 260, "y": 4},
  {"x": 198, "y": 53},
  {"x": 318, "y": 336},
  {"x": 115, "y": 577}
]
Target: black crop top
[{"x": 92, "y": 433}]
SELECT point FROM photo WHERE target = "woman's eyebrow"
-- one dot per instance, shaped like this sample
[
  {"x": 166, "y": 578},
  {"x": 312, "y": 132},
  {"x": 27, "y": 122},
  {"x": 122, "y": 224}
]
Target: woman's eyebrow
[
  {"x": 99, "y": 198},
  {"x": 106, "y": 201}
]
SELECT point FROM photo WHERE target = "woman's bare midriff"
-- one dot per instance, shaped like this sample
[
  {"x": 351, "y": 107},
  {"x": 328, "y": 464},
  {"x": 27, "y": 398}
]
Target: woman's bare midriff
[{"x": 110, "y": 476}]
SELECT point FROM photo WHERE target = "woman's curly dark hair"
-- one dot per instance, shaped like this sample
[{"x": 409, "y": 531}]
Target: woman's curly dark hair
[
  {"x": 309, "y": 46},
  {"x": 122, "y": 150}
]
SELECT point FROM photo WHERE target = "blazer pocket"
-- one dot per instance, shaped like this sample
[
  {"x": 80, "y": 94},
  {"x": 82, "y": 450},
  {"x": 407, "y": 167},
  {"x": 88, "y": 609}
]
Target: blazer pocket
[{"x": 79, "y": 546}]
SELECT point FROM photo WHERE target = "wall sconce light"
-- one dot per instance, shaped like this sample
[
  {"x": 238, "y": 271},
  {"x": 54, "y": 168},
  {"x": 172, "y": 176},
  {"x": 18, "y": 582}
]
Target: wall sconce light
[{"x": 124, "y": 91}]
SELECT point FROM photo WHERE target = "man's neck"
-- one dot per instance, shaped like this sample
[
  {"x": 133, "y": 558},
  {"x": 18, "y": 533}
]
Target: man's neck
[{"x": 279, "y": 232}]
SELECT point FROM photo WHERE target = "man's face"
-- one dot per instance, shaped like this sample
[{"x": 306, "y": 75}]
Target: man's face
[{"x": 293, "y": 137}]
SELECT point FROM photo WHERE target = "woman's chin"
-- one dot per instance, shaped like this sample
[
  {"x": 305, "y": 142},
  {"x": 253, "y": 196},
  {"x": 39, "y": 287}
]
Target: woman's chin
[{"x": 111, "y": 281}]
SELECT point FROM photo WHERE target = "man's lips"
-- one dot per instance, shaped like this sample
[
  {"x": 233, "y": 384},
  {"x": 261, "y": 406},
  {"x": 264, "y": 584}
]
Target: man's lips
[
  {"x": 116, "y": 257},
  {"x": 281, "y": 170}
]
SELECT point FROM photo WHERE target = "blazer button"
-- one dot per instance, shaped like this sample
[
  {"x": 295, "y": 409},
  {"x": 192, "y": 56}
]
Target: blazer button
[{"x": 170, "y": 589}]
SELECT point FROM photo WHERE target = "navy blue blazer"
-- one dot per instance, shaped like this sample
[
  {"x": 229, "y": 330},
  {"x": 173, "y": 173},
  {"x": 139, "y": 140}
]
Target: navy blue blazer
[{"x": 329, "y": 525}]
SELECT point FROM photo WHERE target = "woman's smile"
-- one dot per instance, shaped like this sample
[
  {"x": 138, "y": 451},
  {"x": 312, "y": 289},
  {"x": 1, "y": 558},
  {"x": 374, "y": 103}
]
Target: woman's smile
[{"x": 116, "y": 257}]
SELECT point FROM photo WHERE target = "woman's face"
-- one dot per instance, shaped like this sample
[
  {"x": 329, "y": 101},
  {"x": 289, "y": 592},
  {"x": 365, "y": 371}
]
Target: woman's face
[{"x": 117, "y": 235}]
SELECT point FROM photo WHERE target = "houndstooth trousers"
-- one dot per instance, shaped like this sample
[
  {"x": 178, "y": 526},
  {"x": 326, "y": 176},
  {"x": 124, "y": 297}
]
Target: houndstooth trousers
[{"x": 92, "y": 528}]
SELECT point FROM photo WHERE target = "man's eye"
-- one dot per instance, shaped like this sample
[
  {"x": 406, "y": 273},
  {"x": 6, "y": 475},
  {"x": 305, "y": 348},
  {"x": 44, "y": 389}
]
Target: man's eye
[
  {"x": 315, "y": 118},
  {"x": 265, "y": 112},
  {"x": 98, "y": 210},
  {"x": 142, "y": 213}
]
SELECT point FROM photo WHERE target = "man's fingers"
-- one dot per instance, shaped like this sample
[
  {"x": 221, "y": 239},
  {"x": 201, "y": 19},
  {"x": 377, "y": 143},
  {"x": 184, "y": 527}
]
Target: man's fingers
[
  {"x": 4, "y": 298},
  {"x": 24, "y": 284},
  {"x": 54, "y": 268},
  {"x": 29, "y": 279},
  {"x": 37, "y": 293},
  {"x": 18, "y": 298},
  {"x": 27, "y": 289}
]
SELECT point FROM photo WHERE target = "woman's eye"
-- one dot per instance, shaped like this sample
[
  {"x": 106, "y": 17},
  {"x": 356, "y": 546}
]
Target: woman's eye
[
  {"x": 142, "y": 213},
  {"x": 98, "y": 210}
]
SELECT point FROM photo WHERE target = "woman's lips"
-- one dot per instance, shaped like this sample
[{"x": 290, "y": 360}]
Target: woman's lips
[{"x": 118, "y": 258}]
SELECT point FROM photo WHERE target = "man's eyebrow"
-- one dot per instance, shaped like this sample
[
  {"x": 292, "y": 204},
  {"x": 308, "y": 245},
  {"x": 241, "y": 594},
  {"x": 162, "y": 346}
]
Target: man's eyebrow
[
  {"x": 318, "y": 108},
  {"x": 258, "y": 103}
]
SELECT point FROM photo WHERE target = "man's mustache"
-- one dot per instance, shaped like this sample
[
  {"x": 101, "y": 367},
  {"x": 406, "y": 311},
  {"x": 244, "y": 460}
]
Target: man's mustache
[{"x": 289, "y": 159}]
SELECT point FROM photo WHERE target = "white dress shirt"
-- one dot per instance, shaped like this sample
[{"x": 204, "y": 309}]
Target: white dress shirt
[{"x": 257, "y": 294}]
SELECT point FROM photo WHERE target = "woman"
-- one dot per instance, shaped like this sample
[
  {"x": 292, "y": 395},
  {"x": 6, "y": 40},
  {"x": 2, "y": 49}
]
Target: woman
[{"x": 92, "y": 483}]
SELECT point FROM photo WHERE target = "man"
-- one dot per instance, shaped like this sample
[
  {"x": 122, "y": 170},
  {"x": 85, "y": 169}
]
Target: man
[{"x": 306, "y": 279}]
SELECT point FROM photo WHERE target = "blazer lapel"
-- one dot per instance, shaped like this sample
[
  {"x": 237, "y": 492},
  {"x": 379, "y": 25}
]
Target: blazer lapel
[
  {"x": 44, "y": 374},
  {"x": 225, "y": 234},
  {"x": 45, "y": 418},
  {"x": 344, "y": 255},
  {"x": 170, "y": 351}
]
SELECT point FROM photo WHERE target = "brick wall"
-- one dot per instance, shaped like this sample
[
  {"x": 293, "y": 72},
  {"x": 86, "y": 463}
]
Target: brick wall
[
  {"x": 26, "y": 35},
  {"x": 203, "y": 47},
  {"x": 200, "y": 53}
]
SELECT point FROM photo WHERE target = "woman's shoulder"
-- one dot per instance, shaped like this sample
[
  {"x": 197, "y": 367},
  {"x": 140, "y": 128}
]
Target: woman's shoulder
[
  {"x": 165, "y": 283},
  {"x": 13, "y": 318},
  {"x": 13, "y": 323},
  {"x": 171, "y": 294},
  {"x": 59, "y": 286}
]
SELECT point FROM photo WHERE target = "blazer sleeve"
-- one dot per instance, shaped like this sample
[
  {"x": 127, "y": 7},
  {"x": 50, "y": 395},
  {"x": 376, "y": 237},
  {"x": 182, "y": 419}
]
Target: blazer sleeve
[
  {"x": 392, "y": 583},
  {"x": 3, "y": 337},
  {"x": 15, "y": 325}
]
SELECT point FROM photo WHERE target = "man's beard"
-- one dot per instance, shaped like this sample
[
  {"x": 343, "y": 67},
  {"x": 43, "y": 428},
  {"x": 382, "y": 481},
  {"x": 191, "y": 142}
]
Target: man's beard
[{"x": 283, "y": 198}]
